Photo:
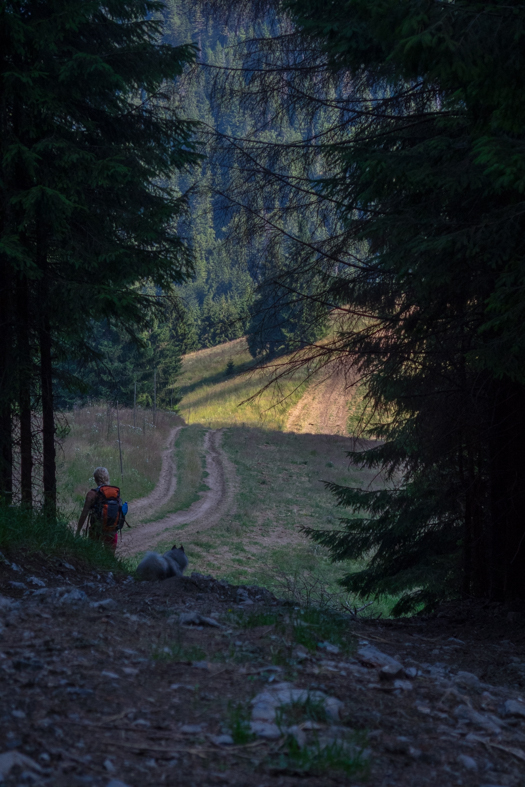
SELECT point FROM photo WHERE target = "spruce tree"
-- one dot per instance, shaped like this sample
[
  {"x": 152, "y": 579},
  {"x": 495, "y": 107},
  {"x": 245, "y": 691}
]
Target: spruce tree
[
  {"x": 89, "y": 141},
  {"x": 414, "y": 168}
]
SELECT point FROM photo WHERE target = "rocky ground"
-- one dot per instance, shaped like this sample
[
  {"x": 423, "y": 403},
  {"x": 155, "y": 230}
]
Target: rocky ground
[{"x": 108, "y": 682}]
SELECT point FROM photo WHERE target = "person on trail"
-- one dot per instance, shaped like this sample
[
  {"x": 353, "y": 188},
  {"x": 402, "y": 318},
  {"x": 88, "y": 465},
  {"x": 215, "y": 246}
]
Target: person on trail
[{"x": 103, "y": 506}]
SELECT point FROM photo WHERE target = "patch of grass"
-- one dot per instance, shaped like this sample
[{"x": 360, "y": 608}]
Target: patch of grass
[
  {"x": 312, "y": 626},
  {"x": 34, "y": 532},
  {"x": 318, "y": 759},
  {"x": 250, "y": 620},
  {"x": 307, "y": 627},
  {"x": 239, "y": 723},
  {"x": 279, "y": 656},
  {"x": 210, "y": 398}
]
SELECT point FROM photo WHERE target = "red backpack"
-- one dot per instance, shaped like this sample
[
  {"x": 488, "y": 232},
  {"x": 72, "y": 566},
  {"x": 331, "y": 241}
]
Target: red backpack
[{"x": 108, "y": 509}]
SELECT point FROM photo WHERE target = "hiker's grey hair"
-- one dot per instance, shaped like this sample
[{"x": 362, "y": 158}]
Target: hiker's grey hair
[{"x": 101, "y": 475}]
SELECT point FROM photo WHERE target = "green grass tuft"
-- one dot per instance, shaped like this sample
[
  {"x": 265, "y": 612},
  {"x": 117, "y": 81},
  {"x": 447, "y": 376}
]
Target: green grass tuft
[
  {"x": 316, "y": 759},
  {"x": 239, "y": 723},
  {"x": 312, "y": 626}
]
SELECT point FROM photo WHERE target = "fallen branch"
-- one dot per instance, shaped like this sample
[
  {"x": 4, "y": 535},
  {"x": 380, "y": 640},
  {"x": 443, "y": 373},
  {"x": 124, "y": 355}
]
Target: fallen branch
[{"x": 355, "y": 612}]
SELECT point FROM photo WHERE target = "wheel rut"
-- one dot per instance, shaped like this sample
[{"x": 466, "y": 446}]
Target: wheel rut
[
  {"x": 167, "y": 483},
  {"x": 206, "y": 512}
]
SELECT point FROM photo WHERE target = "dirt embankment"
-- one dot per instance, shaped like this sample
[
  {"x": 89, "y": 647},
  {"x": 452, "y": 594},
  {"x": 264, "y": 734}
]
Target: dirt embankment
[
  {"x": 212, "y": 505},
  {"x": 324, "y": 407}
]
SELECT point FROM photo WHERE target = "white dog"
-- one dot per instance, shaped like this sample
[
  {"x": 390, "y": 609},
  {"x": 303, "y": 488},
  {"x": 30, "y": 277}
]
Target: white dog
[{"x": 171, "y": 564}]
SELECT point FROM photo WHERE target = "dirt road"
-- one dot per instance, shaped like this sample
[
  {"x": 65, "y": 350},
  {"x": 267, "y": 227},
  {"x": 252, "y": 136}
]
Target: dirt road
[
  {"x": 324, "y": 407},
  {"x": 215, "y": 503},
  {"x": 166, "y": 484}
]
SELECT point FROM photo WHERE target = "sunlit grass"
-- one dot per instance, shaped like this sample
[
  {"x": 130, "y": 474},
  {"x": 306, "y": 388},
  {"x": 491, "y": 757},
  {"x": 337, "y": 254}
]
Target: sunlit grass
[{"x": 216, "y": 398}]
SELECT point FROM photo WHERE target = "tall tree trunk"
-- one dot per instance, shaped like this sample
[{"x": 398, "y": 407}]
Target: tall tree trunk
[
  {"x": 7, "y": 389},
  {"x": 46, "y": 383},
  {"x": 48, "y": 422},
  {"x": 24, "y": 392},
  {"x": 507, "y": 471},
  {"x": 7, "y": 364}
]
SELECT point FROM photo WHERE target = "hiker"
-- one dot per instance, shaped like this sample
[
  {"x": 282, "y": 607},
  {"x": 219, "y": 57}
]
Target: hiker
[{"x": 104, "y": 508}]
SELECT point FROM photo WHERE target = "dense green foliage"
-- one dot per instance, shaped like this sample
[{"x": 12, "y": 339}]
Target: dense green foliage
[
  {"x": 414, "y": 169},
  {"x": 435, "y": 173},
  {"x": 239, "y": 287},
  {"x": 141, "y": 367},
  {"x": 89, "y": 140}
]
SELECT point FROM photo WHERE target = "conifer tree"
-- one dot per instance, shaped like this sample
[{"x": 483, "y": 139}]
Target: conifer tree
[
  {"x": 415, "y": 169},
  {"x": 89, "y": 140}
]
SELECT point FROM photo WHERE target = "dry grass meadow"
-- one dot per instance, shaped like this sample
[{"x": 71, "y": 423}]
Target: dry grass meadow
[
  {"x": 92, "y": 440},
  {"x": 280, "y": 474}
]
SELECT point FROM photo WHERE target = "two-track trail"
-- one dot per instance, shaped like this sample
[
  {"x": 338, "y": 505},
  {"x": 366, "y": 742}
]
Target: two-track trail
[
  {"x": 215, "y": 503},
  {"x": 324, "y": 407},
  {"x": 166, "y": 485}
]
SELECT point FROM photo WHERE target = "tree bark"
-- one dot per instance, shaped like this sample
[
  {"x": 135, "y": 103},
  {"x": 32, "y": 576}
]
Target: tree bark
[
  {"x": 7, "y": 389},
  {"x": 24, "y": 393},
  {"x": 507, "y": 472},
  {"x": 48, "y": 421},
  {"x": 7, "y": 365},
  {"x": 46, "y": 378}
]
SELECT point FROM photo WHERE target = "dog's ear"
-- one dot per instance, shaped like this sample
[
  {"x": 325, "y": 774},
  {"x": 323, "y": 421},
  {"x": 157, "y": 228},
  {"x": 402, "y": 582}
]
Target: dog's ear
[
  {"x": 181, "y": 548},
  {"x": 174, "y": 546}
]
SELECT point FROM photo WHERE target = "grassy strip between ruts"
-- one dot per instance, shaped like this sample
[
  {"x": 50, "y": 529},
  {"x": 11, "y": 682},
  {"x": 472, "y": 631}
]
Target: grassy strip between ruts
[
  {"x": 191, "y": 473},
  {"x": 34, "y": 532}
]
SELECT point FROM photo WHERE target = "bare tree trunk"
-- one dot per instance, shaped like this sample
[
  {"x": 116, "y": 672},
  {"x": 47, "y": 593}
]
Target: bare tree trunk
[
  {"x": 48, "y": 422},
  {"x": 7, "y": 371},
  {"x": 46, "y": 381},
  {"x": 24, "y": 392},
  {"x": 7, "y": 389}
]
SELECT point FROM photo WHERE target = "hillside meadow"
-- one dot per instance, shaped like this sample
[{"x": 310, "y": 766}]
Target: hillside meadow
[
  {"x": 218, "y": 396},
  {"x": 280, "y": 476}
]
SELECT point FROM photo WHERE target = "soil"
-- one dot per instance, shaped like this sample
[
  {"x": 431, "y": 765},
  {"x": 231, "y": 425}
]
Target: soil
[
  {"x": 212, "y": 505},
  {"x": 123, "y": 691},
  {"x": 324, "y": 407}
]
